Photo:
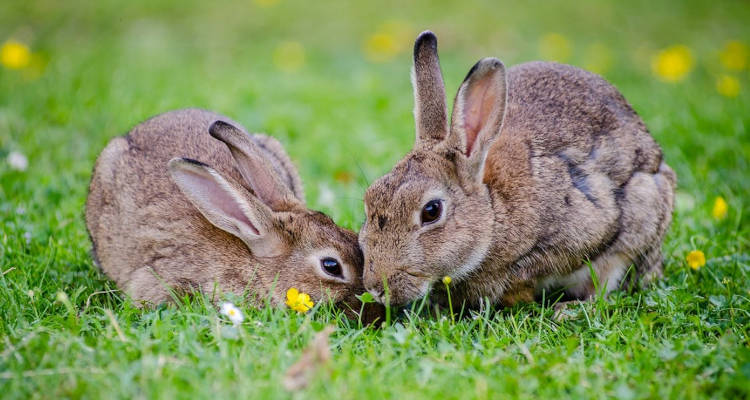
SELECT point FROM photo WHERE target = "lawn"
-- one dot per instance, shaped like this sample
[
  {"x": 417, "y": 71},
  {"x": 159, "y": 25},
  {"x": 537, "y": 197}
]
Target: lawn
[{"x": 331, "y": 82}]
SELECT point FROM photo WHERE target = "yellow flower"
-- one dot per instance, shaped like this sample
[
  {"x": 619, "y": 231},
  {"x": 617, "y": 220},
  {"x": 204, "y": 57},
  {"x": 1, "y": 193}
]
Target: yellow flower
[
  {"x": 447, "y": 280},
  {"x": 728, "y": 86},
  {"x": 15, "y": 55},
  {"x": 289, "y": 56},
  {"x": 380, "y": 47},
  {"x": 554, "y": 47},
  {"x": 734, "y": 55},
  {"x": 389, "y": 40},
  {"x": 720, "y": 208},
  {"x": 297, "y": 301},
  {"x": 673, "y": 63},
  {"x": 696, "y": 259}
]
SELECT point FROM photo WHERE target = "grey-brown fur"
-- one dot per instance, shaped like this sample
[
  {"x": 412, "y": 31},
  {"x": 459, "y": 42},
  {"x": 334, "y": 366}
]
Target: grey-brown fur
[
  {"x": 150, "y": 237},
  {"x": 573, "y": 175}
]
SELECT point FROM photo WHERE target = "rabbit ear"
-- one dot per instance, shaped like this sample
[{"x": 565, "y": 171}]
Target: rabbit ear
[
  {"x": 255, "y": 167},
  {"x": 224, "y": 203},
  {"x": 430, "y": 112},
  {"x": 478, "y": 111}
]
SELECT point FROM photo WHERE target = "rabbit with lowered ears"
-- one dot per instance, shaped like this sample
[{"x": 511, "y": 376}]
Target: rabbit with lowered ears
[{"x": 188, "y": 200}]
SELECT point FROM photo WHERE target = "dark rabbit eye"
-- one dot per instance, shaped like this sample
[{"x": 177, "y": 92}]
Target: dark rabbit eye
[
  {"x": 332, "y": 267},
  {"x": 431, "y": 211}
]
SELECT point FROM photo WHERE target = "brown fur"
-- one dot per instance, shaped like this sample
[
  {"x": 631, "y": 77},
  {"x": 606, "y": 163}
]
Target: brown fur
[
  {"x": 572, "y": 176},
  {"x": 150, "y": 238}
]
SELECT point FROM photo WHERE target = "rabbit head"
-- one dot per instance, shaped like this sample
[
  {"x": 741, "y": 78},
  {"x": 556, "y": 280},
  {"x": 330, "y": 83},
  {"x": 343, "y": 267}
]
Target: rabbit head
[
  {"x": 431, "y": 215},
  {"x": 291, "y": 245}
]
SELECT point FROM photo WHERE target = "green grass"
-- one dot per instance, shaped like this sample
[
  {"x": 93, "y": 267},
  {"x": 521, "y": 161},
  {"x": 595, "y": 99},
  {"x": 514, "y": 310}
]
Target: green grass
[{"x": 105, "y": 66}]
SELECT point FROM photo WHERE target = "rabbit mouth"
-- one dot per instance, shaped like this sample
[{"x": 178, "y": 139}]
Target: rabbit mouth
[{"x": 403, "y": 287}]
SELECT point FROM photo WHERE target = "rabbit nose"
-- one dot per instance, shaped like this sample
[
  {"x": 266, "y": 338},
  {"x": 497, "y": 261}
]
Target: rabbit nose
[
  {"x": 377, "y": 294},
  {"x": 375, "y": 287}
]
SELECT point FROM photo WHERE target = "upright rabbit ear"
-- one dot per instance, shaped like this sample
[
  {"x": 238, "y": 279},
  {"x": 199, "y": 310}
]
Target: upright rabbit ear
[
  {"x": 430, "y": 112},
  {"x": 478, "y": 112},
  {"x": 255, "y": 167},
  {"x": 226, "y": 204}
]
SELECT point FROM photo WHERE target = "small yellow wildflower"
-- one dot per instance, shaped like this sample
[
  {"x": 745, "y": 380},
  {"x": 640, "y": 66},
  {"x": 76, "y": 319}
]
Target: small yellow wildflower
[
  {"x": 673, "y": 63},
  {"x": 696, "y": 259},
  {"x": 289, "y": 56},
  {"x": 734, "y": 55},
  {"x": 380, "y": 47},
  {"x": 447, "y": 280},
  {"x": 297, "y": 301},
  {"x": 720, "y": 208},
  {"x": 728, "y": 86},
  {"x": 725, "y": 281},
  {"x": 389, "y": 40},
  {"x": 15, "y": 55},
  {"x": 554, "y": 47}
]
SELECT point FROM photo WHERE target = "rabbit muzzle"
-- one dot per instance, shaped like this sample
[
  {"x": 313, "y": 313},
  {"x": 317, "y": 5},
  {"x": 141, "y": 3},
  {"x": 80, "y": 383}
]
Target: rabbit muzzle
[{"x": 397, "y": 288}]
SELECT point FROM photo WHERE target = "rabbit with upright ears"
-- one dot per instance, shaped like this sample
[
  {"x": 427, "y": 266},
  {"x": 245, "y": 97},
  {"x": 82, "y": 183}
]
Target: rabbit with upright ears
[
  {"x": 543, "y": 174},
  {"x": 162, "y": 222}
]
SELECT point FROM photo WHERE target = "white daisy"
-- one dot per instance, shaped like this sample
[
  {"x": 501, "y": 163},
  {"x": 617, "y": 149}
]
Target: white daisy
[{"x": 234, "y": 313}]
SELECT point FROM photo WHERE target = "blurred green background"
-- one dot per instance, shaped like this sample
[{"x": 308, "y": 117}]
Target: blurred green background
[{"x": 331, "y": 81}]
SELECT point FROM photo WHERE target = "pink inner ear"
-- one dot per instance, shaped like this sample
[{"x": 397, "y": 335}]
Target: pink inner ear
[
  {"x": 216, "y": 199},
  {"x": 478, "y": 105}
]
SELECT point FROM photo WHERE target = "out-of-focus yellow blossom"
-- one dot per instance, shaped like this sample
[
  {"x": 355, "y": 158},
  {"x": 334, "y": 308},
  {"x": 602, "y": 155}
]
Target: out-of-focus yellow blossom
[
  {"x": 289, "y": 56},
  {"x": 555, "y": 47},
  {"x": 720, "y": 208},
  {"x": 734, "y": 55},
  {"x": 265, "y": 3},
  {"x": 297, "y": 301},
  {"x": 598, "y": 58},
  {"x": 673, "y": 63},
  {"x": 447, "y": 280},
  {"x": 15, "y": 55},
  {"x": 696, "y": 259},
  {"x": 389, "y": 40},
  {"x": 728, "y": 86},
  {"x": 380, "y": 47}
]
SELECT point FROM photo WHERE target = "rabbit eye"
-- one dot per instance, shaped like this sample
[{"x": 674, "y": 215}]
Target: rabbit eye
[
  {"x": 332, "y": 267},
  {"x": 431, "y": 211}
]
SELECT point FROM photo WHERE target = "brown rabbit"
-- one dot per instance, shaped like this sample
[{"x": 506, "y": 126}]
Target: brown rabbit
[
  {"x": 539, "y": 173},
  {"x": 158, "y": 222}
]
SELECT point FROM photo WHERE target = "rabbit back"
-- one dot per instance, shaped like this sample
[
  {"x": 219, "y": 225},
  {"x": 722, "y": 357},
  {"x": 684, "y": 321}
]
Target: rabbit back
[
  {"x": 586, "y": 175},
  {"x": 146, "y": 235}
]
